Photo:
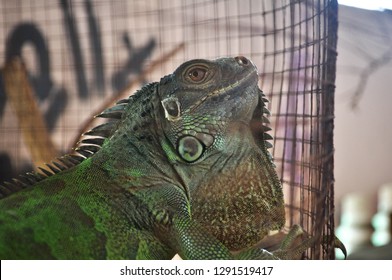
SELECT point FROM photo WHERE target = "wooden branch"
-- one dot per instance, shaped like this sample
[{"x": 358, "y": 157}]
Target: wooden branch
[
  {"x": 366, "y": 74},
  {"x": 21, "y": 96},
  {"x": 128, "y": 90}
]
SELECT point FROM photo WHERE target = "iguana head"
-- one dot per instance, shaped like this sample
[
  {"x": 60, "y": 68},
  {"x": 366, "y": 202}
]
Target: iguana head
[
  {"x": 203, "y": 99},
  {"x": 213, "y": 116}
]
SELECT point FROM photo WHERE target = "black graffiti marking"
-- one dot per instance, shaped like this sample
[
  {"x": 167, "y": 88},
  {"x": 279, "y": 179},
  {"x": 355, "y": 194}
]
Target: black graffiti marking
[
  {"x": 134, "y": 64},
  {"x": 57, "y": 97},
  {"x": 69, "y": 22},
  {"x": 28, "y": 33},
  {"x": 96, "y": 46}
]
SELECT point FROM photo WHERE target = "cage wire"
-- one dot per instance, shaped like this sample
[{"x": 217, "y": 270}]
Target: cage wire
[{"x": 79, "y": 54}]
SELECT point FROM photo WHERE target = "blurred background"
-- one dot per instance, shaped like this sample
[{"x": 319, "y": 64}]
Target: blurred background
[{"x": 363, "y": 131}]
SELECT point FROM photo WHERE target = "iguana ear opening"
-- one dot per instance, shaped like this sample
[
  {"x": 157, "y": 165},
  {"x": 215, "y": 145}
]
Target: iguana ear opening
[{"x": 172, "y": 108}]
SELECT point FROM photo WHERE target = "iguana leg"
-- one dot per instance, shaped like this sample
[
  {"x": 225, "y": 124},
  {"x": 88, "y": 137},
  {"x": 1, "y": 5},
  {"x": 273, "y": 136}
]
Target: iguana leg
[
  {"x": 291, "y": 247},
  {"x": 287, "y": 251},
  {"x": 193, "y": 242}
]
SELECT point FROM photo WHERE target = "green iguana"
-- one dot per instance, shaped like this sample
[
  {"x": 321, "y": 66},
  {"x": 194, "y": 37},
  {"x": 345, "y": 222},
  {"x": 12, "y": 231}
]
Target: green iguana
[{"x": 181, "y": 167}]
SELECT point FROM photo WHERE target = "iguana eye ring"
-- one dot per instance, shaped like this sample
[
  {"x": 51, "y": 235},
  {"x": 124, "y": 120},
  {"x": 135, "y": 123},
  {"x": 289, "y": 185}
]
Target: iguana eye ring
[
  {"x": 190, "y": 148},
  {"x": 196, "y": 74}
]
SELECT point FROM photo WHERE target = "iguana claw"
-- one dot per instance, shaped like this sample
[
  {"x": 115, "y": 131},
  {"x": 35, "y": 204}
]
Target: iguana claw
[{"x": 336, "y": 244}]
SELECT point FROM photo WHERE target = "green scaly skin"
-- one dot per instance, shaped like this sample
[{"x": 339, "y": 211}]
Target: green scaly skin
[{"x": 143, "y": 187}]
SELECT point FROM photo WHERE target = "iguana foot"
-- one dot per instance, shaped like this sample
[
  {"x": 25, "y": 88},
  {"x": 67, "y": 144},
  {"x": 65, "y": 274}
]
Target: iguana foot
[
  {"x": 290, "y": 246},
  {"x": 294, "y": 244}
]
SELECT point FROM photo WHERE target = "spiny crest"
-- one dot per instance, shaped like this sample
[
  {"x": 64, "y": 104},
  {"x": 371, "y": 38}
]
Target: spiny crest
[
  {"x": 260, "y": 126},
  {"x": 265, "y": 114},
  {"x": 84, "y": 149}
]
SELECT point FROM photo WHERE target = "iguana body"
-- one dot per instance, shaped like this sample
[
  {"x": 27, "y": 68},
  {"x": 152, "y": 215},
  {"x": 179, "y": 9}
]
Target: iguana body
[{"x": 181, "y": 169}]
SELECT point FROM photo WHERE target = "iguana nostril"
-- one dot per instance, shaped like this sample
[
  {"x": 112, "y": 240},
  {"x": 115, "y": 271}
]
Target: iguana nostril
[{"x": 242, "y": 60}]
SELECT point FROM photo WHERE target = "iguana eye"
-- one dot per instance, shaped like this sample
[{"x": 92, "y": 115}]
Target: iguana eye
[
  {"x": 197, "y": 74},
  {"x": 190, "y": 148}
]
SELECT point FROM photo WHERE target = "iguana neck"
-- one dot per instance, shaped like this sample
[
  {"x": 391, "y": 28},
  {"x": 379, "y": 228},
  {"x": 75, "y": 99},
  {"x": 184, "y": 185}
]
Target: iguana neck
[
  {"x": 137, "y": 155},
  {"x": 133, "y": 157}
]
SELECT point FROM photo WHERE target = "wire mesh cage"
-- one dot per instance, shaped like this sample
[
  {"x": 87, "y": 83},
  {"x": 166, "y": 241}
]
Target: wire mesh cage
[{"x": 80, "y": 55}]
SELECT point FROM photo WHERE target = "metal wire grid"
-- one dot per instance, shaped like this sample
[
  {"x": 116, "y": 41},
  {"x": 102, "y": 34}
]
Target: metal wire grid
[
  {"x": 293, "y": 43},
  {"x": 299, "y": 70}
]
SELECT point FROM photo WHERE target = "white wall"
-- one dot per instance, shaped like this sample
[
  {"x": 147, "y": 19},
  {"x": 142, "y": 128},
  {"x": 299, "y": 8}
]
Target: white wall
[{"x": 363, "y": 136}]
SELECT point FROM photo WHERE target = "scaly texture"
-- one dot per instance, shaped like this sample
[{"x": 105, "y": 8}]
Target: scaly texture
[{"x": 181, "y": 167}]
